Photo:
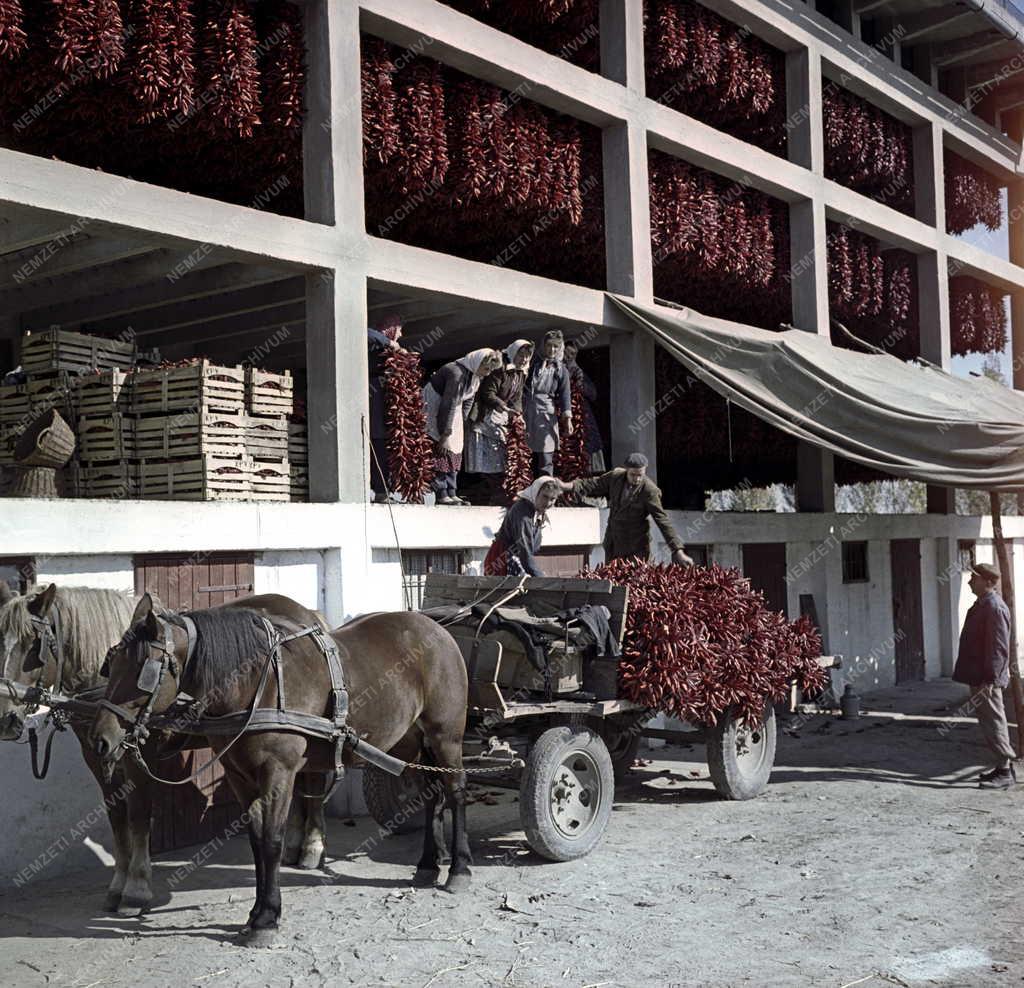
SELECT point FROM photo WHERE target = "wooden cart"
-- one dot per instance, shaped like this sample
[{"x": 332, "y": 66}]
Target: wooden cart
[{"x": 563, "y": 736}]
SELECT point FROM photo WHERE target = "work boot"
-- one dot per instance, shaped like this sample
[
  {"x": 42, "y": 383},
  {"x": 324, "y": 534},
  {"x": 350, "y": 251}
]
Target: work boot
[
  {"x": 993, "y": 772},
  {"x": 1001, "y": 778}
]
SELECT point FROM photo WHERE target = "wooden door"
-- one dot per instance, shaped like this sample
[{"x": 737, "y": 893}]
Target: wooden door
[
  {"x": 907, "y": 619},
  {"x": 204, "y": 810},
  {"x": 764, "y": 564}
]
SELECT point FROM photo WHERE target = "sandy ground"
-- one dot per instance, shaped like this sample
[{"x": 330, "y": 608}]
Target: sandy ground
[{"x": 872, "y": 857}]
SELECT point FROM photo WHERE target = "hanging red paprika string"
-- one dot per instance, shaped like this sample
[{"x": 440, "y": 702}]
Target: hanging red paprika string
[
  {"x": 972, "y": 195},
  {"x": 518, "y": 462},
  {"x": 162, "y": 59},
  {"x": 408, "y": 445},
  {"x": 977, "y": 317},
  {"x": 230, "y": 69},
  {"x": 13, "y": 39}
]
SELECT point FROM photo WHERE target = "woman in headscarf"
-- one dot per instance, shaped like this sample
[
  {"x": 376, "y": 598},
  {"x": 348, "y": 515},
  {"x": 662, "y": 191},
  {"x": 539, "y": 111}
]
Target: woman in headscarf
[
  {"x": 514, "y": 549},
  {"x": 446, "y": 398},
  {"x": 499, "y": 398},
  {"x": 547, "y": 401}
]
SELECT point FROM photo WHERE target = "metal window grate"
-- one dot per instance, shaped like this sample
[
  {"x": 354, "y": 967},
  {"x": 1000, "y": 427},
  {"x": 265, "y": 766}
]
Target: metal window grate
[
  {"x": 700, "y": 554},
  {"x": 417, "y": 563},
  {"x": 966, "y": 550},
  {"x": 855, "y": 562}
]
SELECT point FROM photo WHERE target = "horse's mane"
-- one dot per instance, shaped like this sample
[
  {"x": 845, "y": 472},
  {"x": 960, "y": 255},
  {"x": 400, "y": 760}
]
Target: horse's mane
[
  {"x": 90, "y": 621},
  {"x": 227, "y": 640}
]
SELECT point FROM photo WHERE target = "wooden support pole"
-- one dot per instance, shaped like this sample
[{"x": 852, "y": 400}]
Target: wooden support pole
[{"x": 1006, "y": 572}]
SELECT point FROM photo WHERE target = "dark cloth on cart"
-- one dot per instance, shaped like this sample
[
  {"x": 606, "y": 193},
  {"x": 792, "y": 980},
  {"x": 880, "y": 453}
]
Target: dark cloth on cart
[
  {"x": 596, "y": 618},
  {"x": 628, "y": 532}
]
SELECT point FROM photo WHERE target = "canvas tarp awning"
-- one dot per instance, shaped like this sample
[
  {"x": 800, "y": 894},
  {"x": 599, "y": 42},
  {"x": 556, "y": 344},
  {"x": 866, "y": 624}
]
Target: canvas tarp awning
[{"x": 906, "y": 419}]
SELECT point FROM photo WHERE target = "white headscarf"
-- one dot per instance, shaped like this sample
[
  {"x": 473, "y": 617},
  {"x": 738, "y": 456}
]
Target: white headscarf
[
  {"x": 474, "y": 359},
  {"x": 531, "y": 492},
  {"x": 512, "y": 351}
]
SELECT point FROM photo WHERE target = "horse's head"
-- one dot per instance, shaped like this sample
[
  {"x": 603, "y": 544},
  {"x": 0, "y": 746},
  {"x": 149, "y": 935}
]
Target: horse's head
[
  {"x": 29, "y": 650},
  {"x": 143, "y": 671}
]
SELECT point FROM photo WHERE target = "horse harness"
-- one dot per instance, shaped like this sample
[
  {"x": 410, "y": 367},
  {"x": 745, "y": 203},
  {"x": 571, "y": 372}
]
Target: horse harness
[{"x": 187, "y": 717}]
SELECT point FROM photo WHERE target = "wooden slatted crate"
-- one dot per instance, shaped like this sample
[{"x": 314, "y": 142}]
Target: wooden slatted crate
[
  {"x": 266, "y": 438},
  {"x": 298, "y": 481},
  {"x": 102, "y": 394},
  {"x": 102, "y": 440},
  {"x": 298, "y": 443},
  {"x": 270, "y": 481},
  {"x": 267, "y": 393},
  {"x": 201, "y": 478},
  {"x": 200, "y": 388},
  {"x": 51, "y": 350},
  {"x": 117, "y": 481},
  {"x": 14, "y": 403},
  {"x": 188, "y": 435}
]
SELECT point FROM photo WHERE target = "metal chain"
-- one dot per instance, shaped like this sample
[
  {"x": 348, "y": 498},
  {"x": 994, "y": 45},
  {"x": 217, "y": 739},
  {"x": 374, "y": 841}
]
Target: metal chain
[{"x": 457, "y": 771}]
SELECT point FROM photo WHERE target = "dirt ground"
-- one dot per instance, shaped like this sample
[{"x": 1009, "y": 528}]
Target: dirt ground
[{"x": 871, "y": 859}]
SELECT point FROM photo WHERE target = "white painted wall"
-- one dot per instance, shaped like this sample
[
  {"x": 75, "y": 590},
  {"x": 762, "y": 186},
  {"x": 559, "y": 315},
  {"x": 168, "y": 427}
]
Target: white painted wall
[
  {"x": 294, "y": 573},
  {"x": 104, "y": 572}
]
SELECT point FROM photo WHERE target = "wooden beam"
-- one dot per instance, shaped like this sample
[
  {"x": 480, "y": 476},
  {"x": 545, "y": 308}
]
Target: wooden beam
[{"x": 111, "y": 290}]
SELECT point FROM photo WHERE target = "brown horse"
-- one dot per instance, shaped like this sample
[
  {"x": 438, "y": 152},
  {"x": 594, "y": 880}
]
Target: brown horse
[
  {"x": 57, "y": 638},
  {"x": 407, "y": 686}
]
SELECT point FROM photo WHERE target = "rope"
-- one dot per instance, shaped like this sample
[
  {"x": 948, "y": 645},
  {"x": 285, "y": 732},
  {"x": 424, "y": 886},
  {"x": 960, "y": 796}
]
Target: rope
[{"x": 394, "y": 526}]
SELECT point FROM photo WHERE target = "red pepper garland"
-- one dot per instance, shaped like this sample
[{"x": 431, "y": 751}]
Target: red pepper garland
[
  {"x": 230, "y": 69},
  {"x": 977, "y": 317},
  {"x": 12, "y": 33},
  {"x": 972, "y": 196},
  {"x": 700, "y": 640},
  {"x": 162, "y": 60},
  {"x": 409, "y": 447},
  {"x": 572, "y": 461},
  {"x": 518, "y": 462}
]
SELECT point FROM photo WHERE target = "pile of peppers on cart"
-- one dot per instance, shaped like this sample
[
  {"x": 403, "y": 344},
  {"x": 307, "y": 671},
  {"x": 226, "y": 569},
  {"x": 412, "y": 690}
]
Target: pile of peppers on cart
[{"x": 699, "y": 640}]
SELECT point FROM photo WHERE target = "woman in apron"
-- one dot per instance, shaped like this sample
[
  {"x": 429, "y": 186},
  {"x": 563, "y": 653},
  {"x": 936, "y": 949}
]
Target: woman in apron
[
  {"x": 499, "y": 398},
  {"x": 547, "y": 402},
  {"x": 514, "y": 549},
  {"x": 446, "y": 399}
]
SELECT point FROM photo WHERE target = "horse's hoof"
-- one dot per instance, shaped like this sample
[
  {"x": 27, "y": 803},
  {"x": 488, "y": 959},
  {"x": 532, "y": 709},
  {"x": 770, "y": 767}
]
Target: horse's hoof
[
  {"x": 311, "y": 861},
  {"x": 426, "y": 877},
  {"x": 264, "y": 936},
  {"x": 131, "y": 907},
  {"x": 111, "y": 901},
  {"x": 457, "y": 883}
]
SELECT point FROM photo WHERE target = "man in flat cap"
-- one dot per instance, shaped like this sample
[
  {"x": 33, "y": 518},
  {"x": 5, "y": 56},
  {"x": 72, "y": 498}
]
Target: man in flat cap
[
  {"x": 547, "y": 403},
  {"x": 632, "y": 498},
  {"x": 983, "y": 664}
]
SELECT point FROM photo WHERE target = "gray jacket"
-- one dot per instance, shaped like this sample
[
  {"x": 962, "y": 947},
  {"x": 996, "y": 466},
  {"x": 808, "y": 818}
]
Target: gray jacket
[{"x": 984, "y": 654}]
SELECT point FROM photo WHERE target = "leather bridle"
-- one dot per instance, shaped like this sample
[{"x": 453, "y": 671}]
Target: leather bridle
[{"x": 49, "y": 641}]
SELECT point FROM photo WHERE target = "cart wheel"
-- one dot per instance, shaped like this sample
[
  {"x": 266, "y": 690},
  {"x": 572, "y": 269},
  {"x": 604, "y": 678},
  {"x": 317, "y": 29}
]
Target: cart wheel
[
  {"x": 740, "y": 760},
  {"x": 565, "y": 798},
  {"x": 622, "y": 748},
  {"x": 394, "y": 801}
]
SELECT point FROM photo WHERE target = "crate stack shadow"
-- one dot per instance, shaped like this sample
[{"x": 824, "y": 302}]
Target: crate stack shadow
[{"x": 193, "y": 430}]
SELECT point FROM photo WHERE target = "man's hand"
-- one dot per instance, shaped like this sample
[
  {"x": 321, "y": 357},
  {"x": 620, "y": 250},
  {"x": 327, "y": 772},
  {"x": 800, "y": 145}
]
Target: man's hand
[
  {"x": 444, "y": 444},
  {"x": 680, "y": 558},
  {"x": 566, "y": 428}
]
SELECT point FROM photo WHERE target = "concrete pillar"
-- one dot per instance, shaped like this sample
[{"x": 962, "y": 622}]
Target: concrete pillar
[
  {"x": 923, "y": 67},
  {"x": 804, "y": 137},
  {"x": 633, "y": 399},
  {"x": 622, "y": 42},
  {"x": 929, "y": 181},
  {"x": 947, "y": 563},
  {"x": 815, "y": 479},
  {"x": 1015, "y": 210},
  {"x": 335, "y": 298}
]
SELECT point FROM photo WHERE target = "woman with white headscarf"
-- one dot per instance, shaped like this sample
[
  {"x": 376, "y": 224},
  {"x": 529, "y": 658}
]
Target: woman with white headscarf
[
  {"x": 515, "y": 547},
  {"x": 499, "y": 398},
  {"x": 446, "y": 398}
]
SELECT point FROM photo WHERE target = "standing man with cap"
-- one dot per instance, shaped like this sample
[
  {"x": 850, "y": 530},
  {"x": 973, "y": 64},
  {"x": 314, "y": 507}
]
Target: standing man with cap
[
  {"x": 632, "y": 498},
  {"x": 983, "y": 663},
  {"x": 547, "y": 403}
]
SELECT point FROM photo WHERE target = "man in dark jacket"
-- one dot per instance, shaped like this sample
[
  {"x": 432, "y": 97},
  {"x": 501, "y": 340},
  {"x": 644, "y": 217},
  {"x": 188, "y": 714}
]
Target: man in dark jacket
[
  {"x": 983, "y": 663},
  {"x": 632, "y": 498}
]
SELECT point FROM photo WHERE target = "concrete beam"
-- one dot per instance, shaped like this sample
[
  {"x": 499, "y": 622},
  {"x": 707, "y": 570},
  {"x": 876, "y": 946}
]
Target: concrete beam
[
  {"x": 166, "y": 217},
  {"x": 181, "y": 315},
  {"x": 21, "y": 229},
  {"x": 64, "y": 257},
  {"x": 262, "y": 320},
  {"x": 627, "y": 212},
  {"x": 860, "y": 213},
  {"x": 107, "y": 292},
  {"x": 963, "y": 50},
  {"x": 917, "y": 27},
  {"x": 965, "y": 258}
]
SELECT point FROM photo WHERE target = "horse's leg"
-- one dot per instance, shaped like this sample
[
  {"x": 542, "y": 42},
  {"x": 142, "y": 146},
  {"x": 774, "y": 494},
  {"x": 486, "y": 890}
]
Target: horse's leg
[
  {"x": 117, "y": 814},
  {"x": 252, "y": 810},
  {"x": 295, "y": 831},
  {"x": 448, "y": 753},
  {"x": 429, "y": 866},
  {"x": 276, "y": 796},
  {"x": 138, "y": 887},
  {"x": 315, "y": 831}
]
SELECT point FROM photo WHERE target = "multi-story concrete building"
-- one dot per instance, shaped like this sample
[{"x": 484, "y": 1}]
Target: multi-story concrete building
[{"x": 890, "y": 600}]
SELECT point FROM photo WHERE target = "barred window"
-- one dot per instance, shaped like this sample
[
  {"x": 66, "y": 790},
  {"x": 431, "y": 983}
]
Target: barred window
[
  {"x": 855, "y": 562},
  {"x": 417, "y": 563}
]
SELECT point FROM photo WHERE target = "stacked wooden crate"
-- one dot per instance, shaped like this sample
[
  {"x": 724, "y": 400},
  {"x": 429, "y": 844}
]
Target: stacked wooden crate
[
  {"x": 298, "y": 461},
  {"x": 269, "y": 400}
]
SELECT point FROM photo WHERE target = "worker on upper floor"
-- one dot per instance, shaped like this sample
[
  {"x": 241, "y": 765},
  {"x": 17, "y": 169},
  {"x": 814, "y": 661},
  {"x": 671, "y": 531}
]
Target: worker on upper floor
[{"x": 633, "y": 498}]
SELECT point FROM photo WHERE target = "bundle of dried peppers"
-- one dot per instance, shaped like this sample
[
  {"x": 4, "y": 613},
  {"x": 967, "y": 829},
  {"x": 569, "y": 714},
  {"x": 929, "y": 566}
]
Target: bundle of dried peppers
[{"x": 410, "y": 457}]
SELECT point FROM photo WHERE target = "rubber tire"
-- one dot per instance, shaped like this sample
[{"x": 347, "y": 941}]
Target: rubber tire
[
  {"x": 545, "y": 757},
  {"x": 622, "y": 754},
  {"x": 386, "y": 796},
  {"x": 723, "y": 764}
]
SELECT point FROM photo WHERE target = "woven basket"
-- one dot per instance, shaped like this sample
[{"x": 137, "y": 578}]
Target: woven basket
[
  {"x": 35, "y": 482},
  {"x": 47, "y": 442}
]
